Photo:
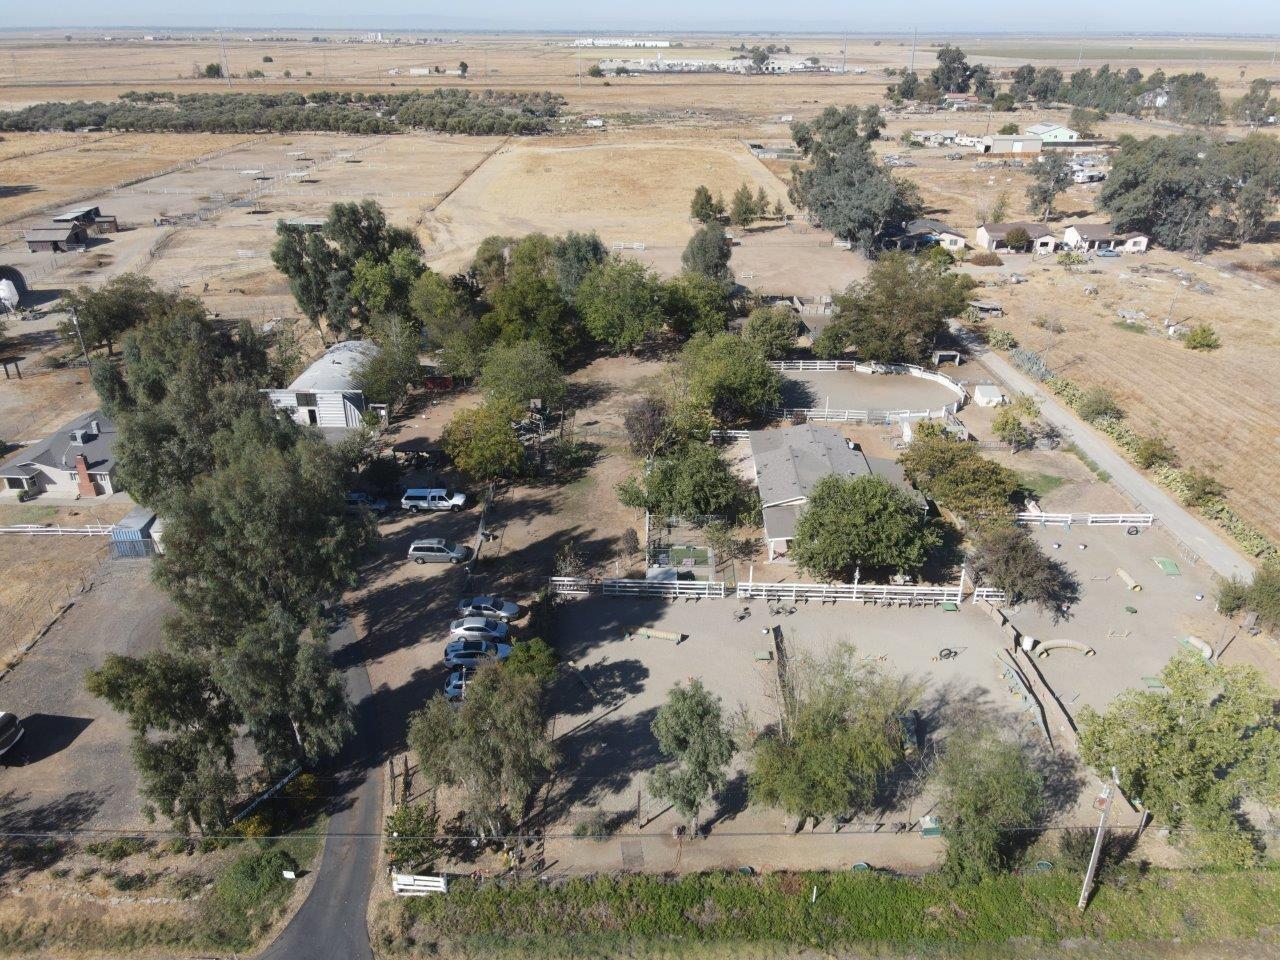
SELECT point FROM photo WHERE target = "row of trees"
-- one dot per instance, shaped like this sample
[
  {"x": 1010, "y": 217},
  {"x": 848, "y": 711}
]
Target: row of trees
[
  {"x": 1187, "y": 192},
  {"x": 745, "y": 209},
  {"x": 256, "y": 545},
  {"x": 1185, "y": 97},
  {"x": 835, "y": 752},
  {"x": 448, "y": 110}
]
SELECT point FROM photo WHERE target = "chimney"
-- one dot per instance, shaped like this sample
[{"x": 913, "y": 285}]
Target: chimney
[
  {"x": 77, "y": 437},
  {"x": 84, "y": 484}
]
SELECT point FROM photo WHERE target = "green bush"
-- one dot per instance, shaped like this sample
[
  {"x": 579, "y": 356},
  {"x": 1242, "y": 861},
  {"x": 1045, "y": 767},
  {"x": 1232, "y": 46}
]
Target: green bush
[
  {"x": 117, "y": 849},
  {"x": 1096, "y": 403},
  {"x": 1002, "y": 340},
  {"x": 1154, "y": 450},
  {"x": 251, "y": 878},
  {"x": 1201, "y": 337}
]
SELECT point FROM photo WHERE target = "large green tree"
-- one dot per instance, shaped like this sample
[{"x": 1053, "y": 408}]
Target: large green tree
[
  {"x": 1194, "y": 751},
  {"x": 989, "y": 798},
  {"x": 106, "y": 314},
  {"x": 837, "y": 739},
  {"x": 691, "y": 481},
  {"x": 954, "y": 474},
  {"x": 897, "y": 313},
  {"x": 494, "y": 747},
  {"x": 848, "y": 190},
  {"x": 620, "y": 302},
  {"x": 772, "y": 329},
  {"x": 483, "y": 443},
  {"x": 695, "y": 303},
  {"x": 728, "y": 377},
  {"x": 860, "y": 521},
  {"x": 352, "y": 265},
  {"x": 519, "y": 372},
  {"x": 692, "y": 735},
  {"x": 1049, "y": 178},
  {"x": 708, "y": 252},
  {"x": 183, "y": 730}
]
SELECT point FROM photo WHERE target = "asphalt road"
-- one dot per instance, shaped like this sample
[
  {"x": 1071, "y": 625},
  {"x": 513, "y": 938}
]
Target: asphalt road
[
  {"x": 332, "y": 922},
  {"x": 1213, "y": 549}
]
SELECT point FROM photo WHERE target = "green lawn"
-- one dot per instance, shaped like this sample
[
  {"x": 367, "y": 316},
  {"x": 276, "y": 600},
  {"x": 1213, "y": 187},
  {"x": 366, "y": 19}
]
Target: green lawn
[
  {"x": 643, "y": 916},
  {"x": 1041, "y": 484}
]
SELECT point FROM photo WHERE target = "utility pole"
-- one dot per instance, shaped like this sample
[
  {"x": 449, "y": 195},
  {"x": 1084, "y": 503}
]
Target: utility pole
[
  {"x": 844, "y": 54},
  {"x": 75, "y": 322},
  {"x": 226, "y": 67},
  {"x": 912, "y": 67},
  {"x": 1080, "y": 55},
  {"x": 1087, "y": 887}
]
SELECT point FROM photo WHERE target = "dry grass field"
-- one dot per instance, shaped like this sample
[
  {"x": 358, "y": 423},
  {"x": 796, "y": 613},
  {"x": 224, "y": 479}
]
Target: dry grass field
[
  {"x": 48, "y": 168},
  {"x": 39, "y": 66},
  {"x": 1221, "y": 409},
  {"x": 629, "y": 187}
]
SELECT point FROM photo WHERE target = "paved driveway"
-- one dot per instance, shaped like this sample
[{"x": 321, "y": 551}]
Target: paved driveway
[{"x": 72, "y": 769}]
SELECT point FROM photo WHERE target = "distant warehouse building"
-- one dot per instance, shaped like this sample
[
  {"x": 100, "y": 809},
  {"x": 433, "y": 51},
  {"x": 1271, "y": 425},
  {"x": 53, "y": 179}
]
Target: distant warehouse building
[
  {"x": 328, "y": 394},
  {"x": 1017, "y": 143}
]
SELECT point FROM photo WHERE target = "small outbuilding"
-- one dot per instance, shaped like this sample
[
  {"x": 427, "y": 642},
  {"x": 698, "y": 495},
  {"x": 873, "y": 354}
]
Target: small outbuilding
[
  {"x": 1087, "y": 237},
  {"x": 1016, "y": 143},
  {"x": 56, "y": 238},
  {"x": 1051, "y": 132},
  {"x": 91, "y": 218},
  {"x": 988, "y": 395}
]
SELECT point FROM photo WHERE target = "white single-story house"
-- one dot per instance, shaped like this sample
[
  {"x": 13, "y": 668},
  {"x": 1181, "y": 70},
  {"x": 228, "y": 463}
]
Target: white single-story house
[
  {"x": 988, "y": 395},
  {"x": 75, "y": 461},
  {"x": 789, "y": 462},
  {"x": 968, "y": 140},
  {"x": 1053, "y": 132},
  {"x": 1019, "y": 143},
  {"x": 1100, "y": 236},
  {"x": 993, "y": 236},
  {"x": 327, "y": 394}
]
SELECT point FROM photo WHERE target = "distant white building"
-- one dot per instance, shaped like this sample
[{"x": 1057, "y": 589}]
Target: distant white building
[
  {"x": 327, "y": 394},
  {"x": 619, "y": 42},
  {"x": 1052, "y": 132}
]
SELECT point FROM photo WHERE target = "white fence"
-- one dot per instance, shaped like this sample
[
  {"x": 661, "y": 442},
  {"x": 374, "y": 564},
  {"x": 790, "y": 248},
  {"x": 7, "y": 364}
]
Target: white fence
[
  {"x": 870, "y": 416},
  {"x": 1087, "y": 519},
  {"x": 990, "y": 594},
  {"x": 39, "y": 530},
  {"x": 857, "y": 592},
  {"x": 414, "y": 885},
  {"x": 638, "y": 588},
  {"x": 823, "y": 592}
]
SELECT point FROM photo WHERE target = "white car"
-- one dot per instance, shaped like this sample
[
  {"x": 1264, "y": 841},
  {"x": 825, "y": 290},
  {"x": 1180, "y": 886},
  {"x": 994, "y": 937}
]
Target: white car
[
  {"x": 493, "y": 607},
  {"x": 482, "y": 628},
  {"x": 437, "y": 499},
  {"x": 10, "y": 731}
]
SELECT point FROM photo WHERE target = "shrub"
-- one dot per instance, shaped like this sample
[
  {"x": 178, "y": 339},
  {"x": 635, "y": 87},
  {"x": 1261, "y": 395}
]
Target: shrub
[
  {"x": 1233, "y": 594},
  {"x": 411, "y": 835},
  {"x": 113, "y": 851},
  {"x": 1002, "y": 340},
  {"x": 1154, "y": 450},
  {"x": 594, "y": 825},
  {"x": 1200, "y": 487},
  {"x": 250, "y": 880},
  {"x": 1018, "y": 239},
  {"x": 1201, "y": 337},
  {"x": 1095, "y": 403},
  {"x": 985, "y": 258}
]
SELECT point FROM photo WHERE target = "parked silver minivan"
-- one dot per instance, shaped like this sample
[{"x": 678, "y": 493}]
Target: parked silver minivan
[{"x": 438, "y": 550}]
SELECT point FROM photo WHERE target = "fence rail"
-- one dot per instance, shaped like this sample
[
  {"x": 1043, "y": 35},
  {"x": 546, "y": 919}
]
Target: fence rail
[
  {"x": 37, "y": 530},
  {"x": 858, "y": 592},
  {"x": 990, "y": 594},
  {"x": 1088, "y": 519}
]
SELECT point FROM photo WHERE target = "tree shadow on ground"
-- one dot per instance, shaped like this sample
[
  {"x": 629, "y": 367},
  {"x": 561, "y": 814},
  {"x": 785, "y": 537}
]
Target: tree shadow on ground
[
  {"x": 732, "y": 800},
  {"x": 599, "y": 757},
  {"x": 23, "y": 849}
]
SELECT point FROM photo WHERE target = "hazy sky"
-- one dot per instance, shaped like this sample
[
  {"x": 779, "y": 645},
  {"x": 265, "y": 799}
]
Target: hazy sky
[{"x": 1070, "y": 16}]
